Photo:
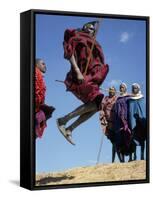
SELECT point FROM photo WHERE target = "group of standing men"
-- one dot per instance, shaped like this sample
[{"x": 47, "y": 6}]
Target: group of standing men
[{"x": 122, "y": 117}]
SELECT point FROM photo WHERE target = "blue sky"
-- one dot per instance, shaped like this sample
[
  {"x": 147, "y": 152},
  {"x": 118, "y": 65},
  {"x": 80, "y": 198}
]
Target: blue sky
[{"x": 124, "y": 45}]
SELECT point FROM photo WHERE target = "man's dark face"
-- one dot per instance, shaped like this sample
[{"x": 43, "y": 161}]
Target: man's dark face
[
  {"x": 112, "y": 92},
  {"x": 135, "y": 89},
  {"x": 122, "y": 88},
  {"x": 90, "y": 30},
  {"x": 42, "y": 66}
]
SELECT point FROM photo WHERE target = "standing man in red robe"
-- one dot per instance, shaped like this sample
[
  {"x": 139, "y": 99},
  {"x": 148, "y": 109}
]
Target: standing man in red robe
[
  {"x": 106, "y": 114},
  {"x": 87, "y": 73},
  {"x": 40, "y": 86},
  {"x": 42, "y": 111}
]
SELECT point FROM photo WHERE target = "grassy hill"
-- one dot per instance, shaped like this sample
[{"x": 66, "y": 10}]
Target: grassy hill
[{"x": 99, "y": 173}]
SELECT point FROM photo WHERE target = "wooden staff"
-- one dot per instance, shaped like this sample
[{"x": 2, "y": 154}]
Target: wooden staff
[{"x": 94, "y": 40}]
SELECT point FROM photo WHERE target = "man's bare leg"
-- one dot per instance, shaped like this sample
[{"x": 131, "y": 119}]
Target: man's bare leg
[
  {"x": 84, "y": 112},
  {"x": 85, "y": 108},
  {"x": 80, "y": 120},
  {"x": 84, "y": 117}
]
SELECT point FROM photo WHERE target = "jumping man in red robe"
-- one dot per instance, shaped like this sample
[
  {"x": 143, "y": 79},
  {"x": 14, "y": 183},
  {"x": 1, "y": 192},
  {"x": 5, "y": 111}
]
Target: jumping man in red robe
[{"x": 88, "y": 71}]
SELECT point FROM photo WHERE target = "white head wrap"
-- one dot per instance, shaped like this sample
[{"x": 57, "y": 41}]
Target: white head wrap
[
  {"x": 139, "y": 94},
  {"x": 124, "y": 85},
  {"x": 123, "y": 93}
]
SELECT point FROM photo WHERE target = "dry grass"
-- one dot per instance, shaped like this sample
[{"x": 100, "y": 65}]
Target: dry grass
[{"x": 135, "y": 170}]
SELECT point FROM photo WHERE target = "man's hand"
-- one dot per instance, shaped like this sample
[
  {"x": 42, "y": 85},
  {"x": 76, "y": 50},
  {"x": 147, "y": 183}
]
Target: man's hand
[
  {"x": 80, "y": 77},
  {"x": 76, "y": 69}
]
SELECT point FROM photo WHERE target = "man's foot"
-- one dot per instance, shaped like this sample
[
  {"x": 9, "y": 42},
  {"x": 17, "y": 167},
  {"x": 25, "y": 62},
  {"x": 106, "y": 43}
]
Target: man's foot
[
  {"x": 68, "y": 136},
  {"x": 66, "y": 133}
]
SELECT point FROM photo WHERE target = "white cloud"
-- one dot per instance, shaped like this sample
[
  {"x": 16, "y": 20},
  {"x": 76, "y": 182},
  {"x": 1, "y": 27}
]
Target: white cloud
[{"x": 124, "y": 37}]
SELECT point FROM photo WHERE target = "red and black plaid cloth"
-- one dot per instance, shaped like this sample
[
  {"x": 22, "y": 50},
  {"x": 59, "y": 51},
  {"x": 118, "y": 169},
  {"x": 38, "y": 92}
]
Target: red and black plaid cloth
[{"x": 79, "y": 44}]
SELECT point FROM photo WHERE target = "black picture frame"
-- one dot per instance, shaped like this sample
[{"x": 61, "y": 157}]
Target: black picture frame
[{"x": 27, "y": 101}]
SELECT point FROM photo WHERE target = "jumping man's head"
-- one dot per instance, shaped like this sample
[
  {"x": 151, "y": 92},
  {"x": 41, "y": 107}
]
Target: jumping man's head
[
  {"x": 90, "y": 28},
  {"x": 40, "y": 64}
]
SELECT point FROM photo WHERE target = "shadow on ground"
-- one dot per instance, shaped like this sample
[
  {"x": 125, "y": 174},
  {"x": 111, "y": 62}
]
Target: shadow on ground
[{"x": 46, "y": 180}]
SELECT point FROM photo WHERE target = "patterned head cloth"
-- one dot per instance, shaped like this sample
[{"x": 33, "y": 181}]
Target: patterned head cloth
[{"x": 112, "y": 89}]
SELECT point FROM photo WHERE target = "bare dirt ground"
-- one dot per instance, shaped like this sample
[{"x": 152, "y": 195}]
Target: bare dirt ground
[{"x": 135, "y": 170}]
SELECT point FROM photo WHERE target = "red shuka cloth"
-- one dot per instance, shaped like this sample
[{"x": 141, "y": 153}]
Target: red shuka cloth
[
  {"x": 40, "y": 123},
  {"x": 79, "y": 44},
  {"x": 40, "y": 89},
  {"x": 106, "y": 114}
]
